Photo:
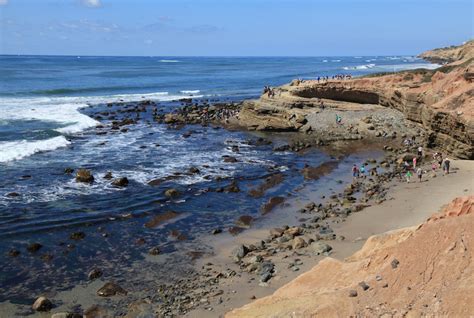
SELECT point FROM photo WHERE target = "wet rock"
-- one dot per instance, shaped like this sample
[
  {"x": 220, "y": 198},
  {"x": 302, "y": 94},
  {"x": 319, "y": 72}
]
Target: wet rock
[
  {"x": 161, "y": 218},
  {"x": 171, "y": 193},
  {"x": 230, "y": 159},
  {"x": 352, "y": 293},
  {"x": 271, "y": 204},
  {"x": 13, "y": 252},
  {"x": 319, "y": 248},
  {"x": 178, "y": 235},
  {"x": 154, "y": 251},
  {"x": 216, "y": 231},
  {"x": 265, "y": 277},
  {"x": 298, "y": 242},
  {"x": 68, "y": 170},
  {"x": 84, "y": 175},
  {"x": 244, "y": 221},
  {"x": 108, "y": 175},
  {"x": 234, "y": 230},
  {"x": 94, "y": 274},
  {"x": 77, "y": 236},
  {"x": 34, "y": 247},
  {"x": 239, "y": 252},
  {"x": 194, "y": 170},
  {"x": 42, "y": 304},
  {"x": 120, "y": 182},
  {"x": 13, "y": 194},
  {"x": 111, "y": 289},
  {"x": 233, "y": 187}
]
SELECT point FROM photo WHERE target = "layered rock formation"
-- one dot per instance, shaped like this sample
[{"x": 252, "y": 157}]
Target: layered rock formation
[
  {"x": 441, "y": 100},
  {"x": 421, "y": 271}
]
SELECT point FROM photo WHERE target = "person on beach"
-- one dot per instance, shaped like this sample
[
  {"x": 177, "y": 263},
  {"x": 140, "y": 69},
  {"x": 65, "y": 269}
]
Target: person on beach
[
  {"x": 433, "y": 166},
  {"x": 440, "y": 160},
  {"x": 420, "y": 152},
  {"x": 408, "y": 176},
  {"x": 414, "y": 162},
  {"x": 338, "y": 119},
  {"x": 446, "y": 164},
  {"x": 419, "y": 173},
  {"x": 362, "y": 170}
]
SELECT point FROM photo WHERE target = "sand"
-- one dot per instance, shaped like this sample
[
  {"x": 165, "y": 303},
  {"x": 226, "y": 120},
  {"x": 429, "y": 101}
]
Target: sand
[{"x": 409, "y": 204}]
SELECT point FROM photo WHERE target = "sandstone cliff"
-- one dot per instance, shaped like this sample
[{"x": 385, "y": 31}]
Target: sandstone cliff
[
  {"x": 440, "y": 100},
  {"x": 421, "y": 271}
]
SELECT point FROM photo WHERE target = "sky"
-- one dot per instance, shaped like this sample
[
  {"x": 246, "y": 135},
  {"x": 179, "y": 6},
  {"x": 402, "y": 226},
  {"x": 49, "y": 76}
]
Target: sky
[{"x": 232, "y": 27}]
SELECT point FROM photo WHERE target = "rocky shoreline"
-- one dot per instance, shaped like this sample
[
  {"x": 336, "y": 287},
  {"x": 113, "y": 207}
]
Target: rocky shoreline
[{"x": 383, "y": 111}]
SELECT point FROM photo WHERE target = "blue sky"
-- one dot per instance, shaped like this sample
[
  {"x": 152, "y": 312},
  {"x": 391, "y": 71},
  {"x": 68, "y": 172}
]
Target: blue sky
[{"x": 232, "y": 27}]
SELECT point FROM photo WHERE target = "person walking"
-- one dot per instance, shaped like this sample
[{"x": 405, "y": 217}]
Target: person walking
[
  {"x": 419, "y": 173},
  {"x": 446, "y": 164},
  {"x": 408, "y": 176},
  {"x": 414, "y": 163}
]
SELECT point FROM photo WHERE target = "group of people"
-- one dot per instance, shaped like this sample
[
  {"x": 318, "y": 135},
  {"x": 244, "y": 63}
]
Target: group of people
[
  {"x": 270, "y": 91},
  {"x": 338, "y": 77},
  {"x": 437, "y": 163},
  {"x": 360, "y": 171}
]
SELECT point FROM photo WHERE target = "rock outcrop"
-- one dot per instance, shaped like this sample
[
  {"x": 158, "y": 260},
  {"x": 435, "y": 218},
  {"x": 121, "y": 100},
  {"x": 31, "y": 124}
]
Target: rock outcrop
[
  {"x": 420, "y": 271},
  {"x": 440, "y": 100}
]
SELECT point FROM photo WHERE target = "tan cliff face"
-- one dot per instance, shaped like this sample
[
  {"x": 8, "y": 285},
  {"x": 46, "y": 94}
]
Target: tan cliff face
[
  {"x": 420, "y": 271},
  {"x": 441, "y": 100}
]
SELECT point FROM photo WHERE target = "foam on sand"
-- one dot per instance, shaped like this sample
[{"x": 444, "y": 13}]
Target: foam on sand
[{"x": 14, "y": 150}]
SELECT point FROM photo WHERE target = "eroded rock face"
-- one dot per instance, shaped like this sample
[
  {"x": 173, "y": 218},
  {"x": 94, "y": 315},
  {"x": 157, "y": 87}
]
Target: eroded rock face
[{"x": 440, "y": 100}]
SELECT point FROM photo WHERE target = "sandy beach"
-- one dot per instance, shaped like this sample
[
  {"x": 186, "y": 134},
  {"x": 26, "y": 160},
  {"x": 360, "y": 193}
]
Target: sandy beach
[{"x": 408, "y": 204}]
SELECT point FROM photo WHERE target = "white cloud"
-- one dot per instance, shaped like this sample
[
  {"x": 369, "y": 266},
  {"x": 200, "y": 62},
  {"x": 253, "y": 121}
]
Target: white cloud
[
  {"x": 89, "y": 3},
  {"x": 3, "y": 2}
]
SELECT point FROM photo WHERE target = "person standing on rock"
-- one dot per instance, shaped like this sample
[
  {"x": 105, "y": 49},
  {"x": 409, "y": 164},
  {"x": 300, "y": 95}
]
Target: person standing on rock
[
  {"x": 414, "y": 162},
  {"x": 420, "y": 152}
]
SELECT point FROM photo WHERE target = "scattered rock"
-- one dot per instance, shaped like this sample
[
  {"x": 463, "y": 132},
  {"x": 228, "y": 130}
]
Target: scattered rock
[
  {"x": 352, "y": 293},
  {"x": 319, "y": 248},
  {"x": 171, "y": 193},
  {"x": 120, "y": 182},
  {"x": 161, "y": 218},
  {"x": 77, "y": 236},
  {"x": 13, "y": 252},
  {"x": 94, "y": 274},
  {"x": 394, "y": 263},
  {"x": 34, "y": 247},
  {"x": 108, "y": 175},
  {"x": 298, "y": 242},
  {"x": 84, "y": 175},
  {"x": 216, "y": 231},
  {"x": 111, "y": 289},
  {"x": 244, "y": 221},
  {"x": 154, "y": 251},
  {"x": 239, "y": 252},
  {"x": 42, "y": 304},
  {"x": 364, "y": 285}
]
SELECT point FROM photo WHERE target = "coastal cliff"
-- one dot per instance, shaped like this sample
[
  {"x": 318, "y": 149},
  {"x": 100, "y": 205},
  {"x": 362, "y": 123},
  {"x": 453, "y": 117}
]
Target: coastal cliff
[
  {"x": 439, "y": 101},
  {"x": 399, "y": 273}
]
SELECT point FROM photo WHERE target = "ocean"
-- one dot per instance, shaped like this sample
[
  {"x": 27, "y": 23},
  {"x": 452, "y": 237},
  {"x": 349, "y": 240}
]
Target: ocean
[{"x": 48, "y": 108}]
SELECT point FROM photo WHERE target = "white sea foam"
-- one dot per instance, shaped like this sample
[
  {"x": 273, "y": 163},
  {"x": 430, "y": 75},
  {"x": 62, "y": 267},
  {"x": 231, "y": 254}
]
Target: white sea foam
[
  {"x": 335, "y": 61},
  {"x": 196, "y": 91},
  {"x": 359, "y": 67},
  {"x": 393, "y": 68},
  {"x": 14, "y": 150},
  {"x": 169, "y": 61},
  {"x": 61, "y": 110}
]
